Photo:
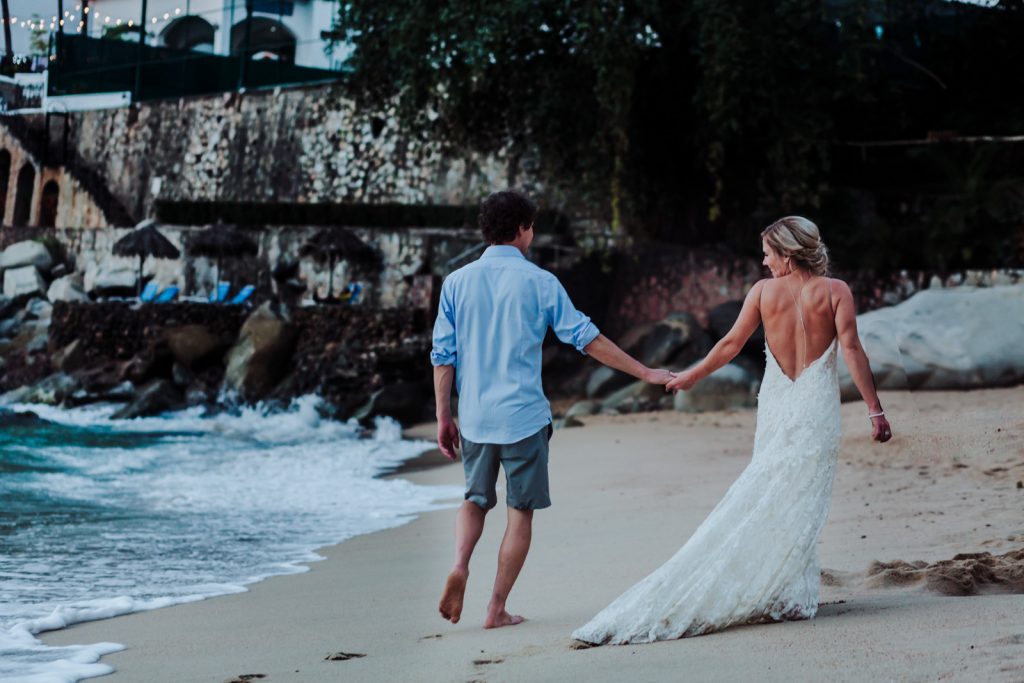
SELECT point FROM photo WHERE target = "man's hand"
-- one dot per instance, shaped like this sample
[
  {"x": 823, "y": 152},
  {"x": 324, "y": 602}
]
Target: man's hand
[
  {"x": 658, "y": 376},
  {"x": 684, "y": 381},
  {"x": 448, "y": 438}
]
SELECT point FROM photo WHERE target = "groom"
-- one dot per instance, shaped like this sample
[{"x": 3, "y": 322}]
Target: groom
[{"x": 492, "y": 319}]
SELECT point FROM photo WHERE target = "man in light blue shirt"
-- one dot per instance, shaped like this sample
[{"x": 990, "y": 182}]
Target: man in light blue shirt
[{"x": 491, "y": 323}]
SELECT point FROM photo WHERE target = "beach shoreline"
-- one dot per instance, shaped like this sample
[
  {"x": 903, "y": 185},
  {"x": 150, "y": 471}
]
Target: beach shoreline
[{"x": 627, "y": 491}]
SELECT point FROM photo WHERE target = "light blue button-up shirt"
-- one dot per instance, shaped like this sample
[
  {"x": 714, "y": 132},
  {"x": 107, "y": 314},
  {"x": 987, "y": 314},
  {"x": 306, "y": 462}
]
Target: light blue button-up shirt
[{"x": 491, "y": 322}]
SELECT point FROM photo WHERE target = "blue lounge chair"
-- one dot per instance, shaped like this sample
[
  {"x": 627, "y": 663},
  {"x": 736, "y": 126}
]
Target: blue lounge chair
[
  {"x": 149, "y": 293},
  {"x": 221, "y": 293},
  {"x": 168, "y": 295},
  {"x": 242, "y": 296},
  {"x": 355, "y": 289}
]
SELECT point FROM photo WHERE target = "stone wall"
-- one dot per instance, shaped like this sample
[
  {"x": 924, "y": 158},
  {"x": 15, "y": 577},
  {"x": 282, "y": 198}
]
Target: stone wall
[{"x": 307, "y": 144}]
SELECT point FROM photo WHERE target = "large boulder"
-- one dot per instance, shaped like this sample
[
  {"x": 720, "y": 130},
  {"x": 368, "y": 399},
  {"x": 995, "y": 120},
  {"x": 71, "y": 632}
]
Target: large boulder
[
  {"x": 958, "y": 338},
  {"x": 52, "y": 390},
  {"x": 403, "y": 401},
  {"x": 159, "y": 396},
  {"x": 603, "y": 380},
  {"x": 261, "y": 355},
  {"x": 677, "y": 340},
  {"x": 38, "y": 309},
  {"x": 112, "y": 277},
  {"x": 27, "y": 253},
  {"x": 23, "y": 281},
  {"x": 67, "y": 288},
  {"x": 192, "y": 344},
  {"x": 731, "y": 386},
  {"x": 633, "y": 398},
  {"x": 70, "y": 358},
  {"x": 722, "y": 317}
]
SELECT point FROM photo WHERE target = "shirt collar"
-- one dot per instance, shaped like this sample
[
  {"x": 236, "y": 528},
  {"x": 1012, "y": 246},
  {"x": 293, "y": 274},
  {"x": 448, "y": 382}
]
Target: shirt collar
[{"x": 502, "y": 251}]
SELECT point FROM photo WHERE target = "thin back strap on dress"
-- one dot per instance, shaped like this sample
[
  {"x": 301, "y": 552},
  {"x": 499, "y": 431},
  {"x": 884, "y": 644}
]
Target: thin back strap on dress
[{"x": 832, "y": 306}]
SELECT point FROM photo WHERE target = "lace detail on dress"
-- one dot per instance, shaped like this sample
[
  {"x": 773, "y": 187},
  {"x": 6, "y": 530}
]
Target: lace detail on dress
[{"x": 755, "y": 557}]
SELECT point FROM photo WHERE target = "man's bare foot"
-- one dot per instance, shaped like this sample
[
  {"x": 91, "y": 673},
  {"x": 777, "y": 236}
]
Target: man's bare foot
[
  {"x": 451, "y": 600},
  {"x": 502, "y": 618}
]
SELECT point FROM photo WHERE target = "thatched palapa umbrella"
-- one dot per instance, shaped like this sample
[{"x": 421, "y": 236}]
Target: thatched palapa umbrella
[
  {"x": 143, "y": 242},
  {"x": 221, "y": 241},
  {"x": 332, "y": 244}
]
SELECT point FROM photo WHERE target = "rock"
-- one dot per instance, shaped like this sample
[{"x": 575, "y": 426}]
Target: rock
[
  {"x": 32, "y": 337},
  {"x": 955, "y": 338},
  {"x": 8, "y": 306},
  {"x": 159, "y": 396},
  {"x": 23, "y": 281},
  {"x": 583, "y": 408},
  {"x": 722, "y": 317},
  {"x": 67, "y": 288},
  {"x": 261, "y": 355},
  {"x": 403, "y": 401},
  {"x": 10, "y": 327},
  {"x": 70, "y": 358},
  {"x": 727, "y": 388},
  {"x": 27, "y": 253},
  {"x": 112, "y": 278},
  {"x": 39, "y": 309},
  {"x": 51, "y": 391},
  {"x": 181, "y": 375},
  {"x": 633, "y": 398},
  {"x": 604, "y": 380},
  {"x": 567, "y": 423},
  {"x": 120, "y": 393},
  {"x": 678, "y": 339},
  {"x": 192, "y": 344}
]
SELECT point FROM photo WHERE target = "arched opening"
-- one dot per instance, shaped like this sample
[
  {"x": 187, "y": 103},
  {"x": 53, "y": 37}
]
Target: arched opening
[
  {"x": 5, "y": 181},
  {"x": 23, "y": 197},
  {"x": 268, "y": 39},
  {"x": 189, "y": 33},
  {"x": 48, "y": 205}
]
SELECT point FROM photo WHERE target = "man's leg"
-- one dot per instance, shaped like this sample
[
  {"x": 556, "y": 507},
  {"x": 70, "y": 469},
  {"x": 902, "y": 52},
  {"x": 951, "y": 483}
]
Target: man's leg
[
  {"x": 469, "y": 524},
  {"x": 514, "y": 547}
]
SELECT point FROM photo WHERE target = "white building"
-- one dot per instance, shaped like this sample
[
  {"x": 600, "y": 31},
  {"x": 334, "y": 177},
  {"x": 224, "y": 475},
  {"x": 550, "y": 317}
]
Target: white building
[{"x": 287, "y": 30}]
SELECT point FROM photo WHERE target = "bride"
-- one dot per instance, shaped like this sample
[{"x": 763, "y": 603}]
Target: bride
[{"x": 755, "y": 557}]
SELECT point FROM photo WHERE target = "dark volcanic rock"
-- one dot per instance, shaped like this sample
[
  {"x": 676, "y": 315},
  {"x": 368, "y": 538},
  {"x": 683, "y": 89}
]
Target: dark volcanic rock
[
  {"x": 159, "y": 396},
  {"x": 403, "y": 401}
]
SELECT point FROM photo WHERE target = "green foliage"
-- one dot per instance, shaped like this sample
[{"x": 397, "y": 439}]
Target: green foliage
[{"x": 699, "y": 120}]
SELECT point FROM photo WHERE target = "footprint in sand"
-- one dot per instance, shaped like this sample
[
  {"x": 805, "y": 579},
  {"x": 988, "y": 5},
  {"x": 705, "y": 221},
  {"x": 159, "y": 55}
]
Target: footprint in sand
[
  {"x": 343, "y": 656},
  {"x": 485, "y": 662}
]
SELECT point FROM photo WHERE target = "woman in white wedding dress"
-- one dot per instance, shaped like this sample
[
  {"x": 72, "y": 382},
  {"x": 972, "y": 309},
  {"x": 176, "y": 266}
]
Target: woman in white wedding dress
[{"x": 755, "y": 557}]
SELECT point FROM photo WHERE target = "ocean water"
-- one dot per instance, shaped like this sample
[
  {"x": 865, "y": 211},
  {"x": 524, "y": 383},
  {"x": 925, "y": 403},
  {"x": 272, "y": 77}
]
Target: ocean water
[{"x": 101, "y": 517}]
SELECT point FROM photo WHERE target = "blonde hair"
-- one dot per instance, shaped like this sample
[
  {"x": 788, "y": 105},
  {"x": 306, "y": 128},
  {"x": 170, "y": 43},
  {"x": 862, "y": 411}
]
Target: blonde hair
[{"x": 798, "y": 239}]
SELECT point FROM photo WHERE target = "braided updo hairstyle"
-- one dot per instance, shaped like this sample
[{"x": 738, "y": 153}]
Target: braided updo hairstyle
[{"x": 798, "y": 239}]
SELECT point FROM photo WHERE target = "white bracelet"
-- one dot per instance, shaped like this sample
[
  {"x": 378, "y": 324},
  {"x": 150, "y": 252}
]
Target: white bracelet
[{"x": 878, "y": 414}]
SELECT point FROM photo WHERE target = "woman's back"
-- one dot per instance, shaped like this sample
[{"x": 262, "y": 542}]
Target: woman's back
[{"x": 799, "y": 320}]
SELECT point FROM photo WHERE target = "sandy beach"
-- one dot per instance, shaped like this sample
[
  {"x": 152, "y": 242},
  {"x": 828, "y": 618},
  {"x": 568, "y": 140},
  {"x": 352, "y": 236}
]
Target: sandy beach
[{"x": 627, "y": 491}]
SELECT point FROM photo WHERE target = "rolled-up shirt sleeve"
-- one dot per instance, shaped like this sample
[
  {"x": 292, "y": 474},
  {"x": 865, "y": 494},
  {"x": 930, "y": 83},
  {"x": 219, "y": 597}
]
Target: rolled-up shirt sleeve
[
  {"x": 570, "y": 326},
  {"x": 443, "y": 350}
]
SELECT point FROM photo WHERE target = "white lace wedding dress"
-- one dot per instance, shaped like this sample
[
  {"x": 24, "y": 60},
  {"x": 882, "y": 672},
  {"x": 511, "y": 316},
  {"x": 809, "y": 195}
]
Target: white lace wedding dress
[{"x": 755, "y": 557}]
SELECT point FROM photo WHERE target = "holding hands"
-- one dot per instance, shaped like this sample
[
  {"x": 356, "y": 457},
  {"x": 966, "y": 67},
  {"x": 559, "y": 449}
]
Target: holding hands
[{"x": 683, "y": 381}]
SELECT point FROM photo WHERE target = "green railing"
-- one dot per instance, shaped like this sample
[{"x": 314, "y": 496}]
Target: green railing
[{"x": 85, "y": 65}]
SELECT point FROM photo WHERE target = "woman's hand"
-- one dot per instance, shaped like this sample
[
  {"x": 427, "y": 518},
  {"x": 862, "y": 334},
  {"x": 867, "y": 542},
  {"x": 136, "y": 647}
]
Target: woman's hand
[
  {"x": 684, "y": 381},
  {"x": 880, "y": 429}
]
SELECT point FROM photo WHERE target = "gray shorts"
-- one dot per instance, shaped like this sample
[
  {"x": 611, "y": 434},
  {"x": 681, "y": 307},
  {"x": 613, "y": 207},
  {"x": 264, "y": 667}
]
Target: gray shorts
[{"x": 526, "y": 471}]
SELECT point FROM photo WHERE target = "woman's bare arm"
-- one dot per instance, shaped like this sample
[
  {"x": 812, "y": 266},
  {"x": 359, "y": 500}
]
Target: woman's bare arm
[
  {"x": 728, "y": 346},
  {"x": 857, "y": 360}
]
